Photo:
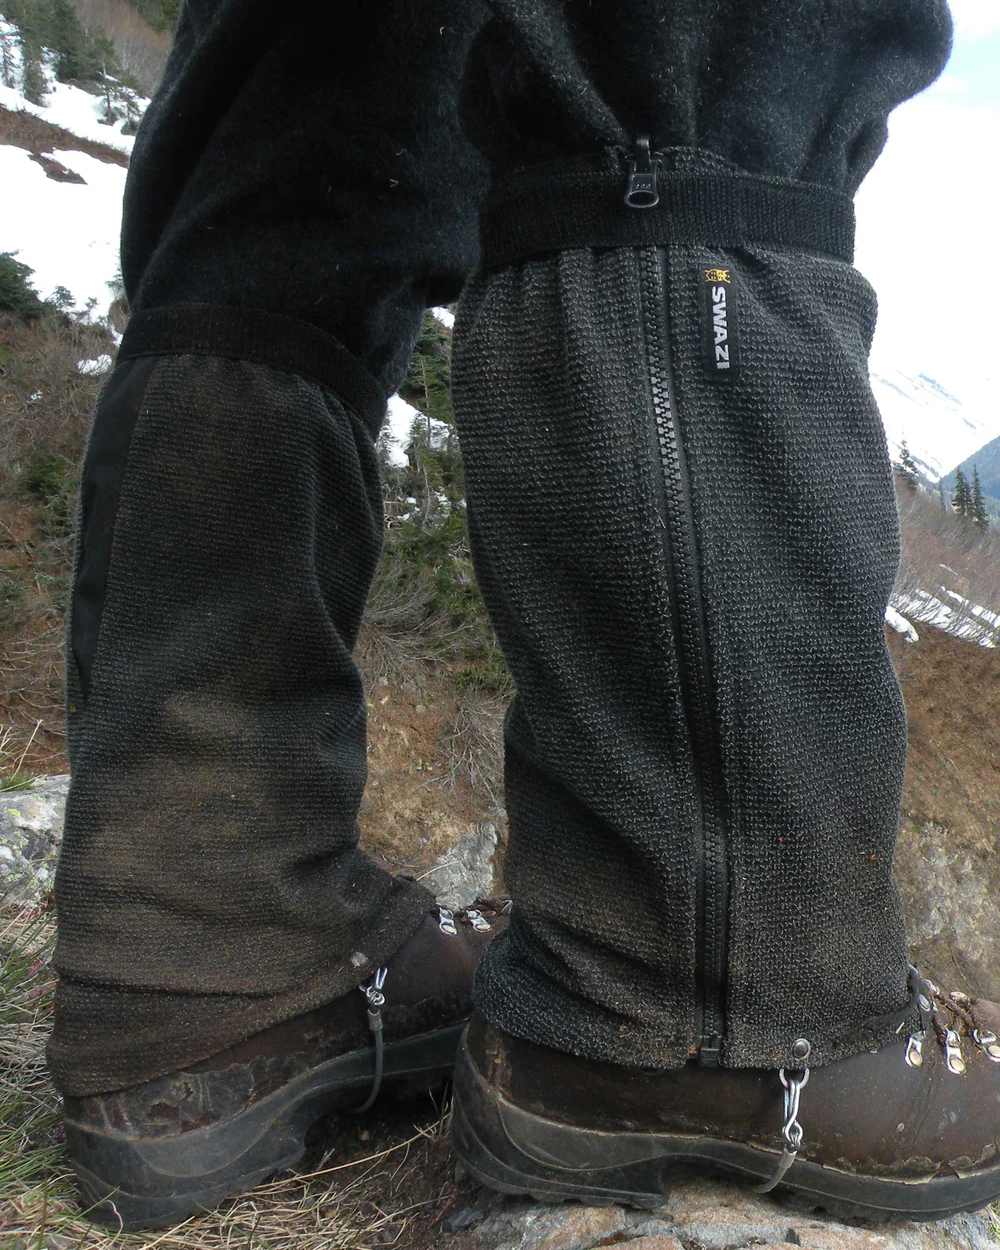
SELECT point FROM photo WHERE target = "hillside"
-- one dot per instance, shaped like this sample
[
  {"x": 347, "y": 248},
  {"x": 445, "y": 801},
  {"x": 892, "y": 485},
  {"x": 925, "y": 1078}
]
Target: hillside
[{"x": 987, "y": 461}]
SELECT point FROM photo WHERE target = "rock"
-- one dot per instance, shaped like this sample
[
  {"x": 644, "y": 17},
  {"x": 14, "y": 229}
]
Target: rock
[
  {"x": 705, "y": 1214},
  {"x": 949, "y": 887},
  {"x": 465, "y": 873},
  {"x": 532, "y": 1226},
  {"x": 654, "y": 1243},
  {"x": 31, "y": 825}
]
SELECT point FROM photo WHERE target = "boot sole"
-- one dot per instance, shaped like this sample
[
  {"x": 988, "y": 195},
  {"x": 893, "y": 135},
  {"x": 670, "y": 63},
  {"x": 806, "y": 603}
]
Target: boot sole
[
  {"x": 153, "y": 1182},
  {"x": 517, "y": 1152}
]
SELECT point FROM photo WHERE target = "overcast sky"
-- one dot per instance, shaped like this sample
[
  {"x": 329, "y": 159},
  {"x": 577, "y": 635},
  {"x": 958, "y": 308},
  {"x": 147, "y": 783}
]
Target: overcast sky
[{"x": 927, "y": 219}]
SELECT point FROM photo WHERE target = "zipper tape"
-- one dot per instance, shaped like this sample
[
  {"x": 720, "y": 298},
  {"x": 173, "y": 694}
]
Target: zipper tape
[{"x": 718, "y": 210}]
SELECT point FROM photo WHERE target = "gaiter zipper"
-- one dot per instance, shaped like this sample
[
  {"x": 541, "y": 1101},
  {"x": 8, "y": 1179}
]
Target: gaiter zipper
[{"x": 694, "y": 663}]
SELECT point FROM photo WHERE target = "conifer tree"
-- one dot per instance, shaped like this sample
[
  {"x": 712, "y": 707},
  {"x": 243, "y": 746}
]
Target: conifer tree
[
  {"x": 909, "y": 466},
  {"x": 33, "y": 85},
  {"x": 8, "y": 74},
  {"x": 977, "y": 504},
  {"x": 17, "y": 295},
  {"x": 961, "y": 500},
  {"x": 944, "y": 502},
  {"x": 75, "y": 54}
]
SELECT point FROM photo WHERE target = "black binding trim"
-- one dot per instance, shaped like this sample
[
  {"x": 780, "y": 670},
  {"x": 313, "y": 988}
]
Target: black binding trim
[
  {"x": 587, "y": 209},
  {"x": 263, "y": 337}
]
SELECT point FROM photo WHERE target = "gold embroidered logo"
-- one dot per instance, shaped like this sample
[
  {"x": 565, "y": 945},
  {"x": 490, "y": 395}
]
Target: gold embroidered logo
[{"x": 717, "y": 275}]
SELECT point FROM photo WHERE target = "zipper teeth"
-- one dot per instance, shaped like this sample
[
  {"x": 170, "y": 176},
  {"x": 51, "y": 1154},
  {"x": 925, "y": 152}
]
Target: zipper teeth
[{"x": 693, "y": 650}]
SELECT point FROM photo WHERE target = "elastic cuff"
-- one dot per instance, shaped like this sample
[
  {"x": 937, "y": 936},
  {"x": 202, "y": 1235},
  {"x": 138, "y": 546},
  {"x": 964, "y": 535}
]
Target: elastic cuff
[
  {"x": 263, "y": 337},
  {"x": 528, "y": 215}
]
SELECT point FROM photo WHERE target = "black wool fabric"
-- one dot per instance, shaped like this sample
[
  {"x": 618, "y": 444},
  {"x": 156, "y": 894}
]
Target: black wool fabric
[
  {"x": 791, "y": 88},
  {"x": 303, "y": 185},
  {"x": 796, "y": 559},
  {"x": 217, "y": 726}
]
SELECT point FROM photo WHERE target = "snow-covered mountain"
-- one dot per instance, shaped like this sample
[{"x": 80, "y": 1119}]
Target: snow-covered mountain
[{"x": 939, "y": 428}]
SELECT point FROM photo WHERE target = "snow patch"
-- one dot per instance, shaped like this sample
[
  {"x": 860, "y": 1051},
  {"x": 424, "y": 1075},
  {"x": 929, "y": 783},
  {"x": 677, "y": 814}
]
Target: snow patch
[
  {"x": 396, "y": 434},
  {"x": 446, "y": 317},
  {"x": 900, "y": 624},
  {"x": 962, "y": 618},
  {"x": 67, "y": 232},
  {"x": 94, "y": 367}
]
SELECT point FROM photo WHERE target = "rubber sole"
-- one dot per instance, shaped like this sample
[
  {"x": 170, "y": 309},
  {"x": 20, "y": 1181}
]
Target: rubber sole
[
  {"x": 153, "y": 1182},
  {"x": 515, "y": 1151}
]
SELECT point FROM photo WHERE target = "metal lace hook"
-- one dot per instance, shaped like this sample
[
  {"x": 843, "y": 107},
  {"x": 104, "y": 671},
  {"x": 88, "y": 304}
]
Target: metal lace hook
[
  {"x": 375, "y": 998},
  {"x": 792, "y": 1132}
]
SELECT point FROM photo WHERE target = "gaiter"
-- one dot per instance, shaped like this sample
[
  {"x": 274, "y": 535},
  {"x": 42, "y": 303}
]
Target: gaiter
[
  {"x": 285, "y": 226},
  {"x": 683, "y": 520},
  {"x": 686, "y": 564}
]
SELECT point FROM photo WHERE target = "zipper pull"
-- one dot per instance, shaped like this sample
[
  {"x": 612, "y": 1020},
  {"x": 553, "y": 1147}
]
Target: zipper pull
[{"x": 641, "y": 191}]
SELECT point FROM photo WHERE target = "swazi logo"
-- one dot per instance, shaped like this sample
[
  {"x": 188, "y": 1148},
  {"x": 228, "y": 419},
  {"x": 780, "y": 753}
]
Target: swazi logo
[
  {"x": 720, "y": 336},
  {"x": 720, "y": 327}
]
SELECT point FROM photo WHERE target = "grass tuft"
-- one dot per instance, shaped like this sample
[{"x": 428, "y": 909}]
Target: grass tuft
[{"x": 384, "y": 1183}]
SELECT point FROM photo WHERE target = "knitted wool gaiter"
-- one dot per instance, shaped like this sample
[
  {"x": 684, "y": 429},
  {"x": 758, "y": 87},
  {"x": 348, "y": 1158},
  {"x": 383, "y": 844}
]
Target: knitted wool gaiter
[{"x": 686, "y": 564}]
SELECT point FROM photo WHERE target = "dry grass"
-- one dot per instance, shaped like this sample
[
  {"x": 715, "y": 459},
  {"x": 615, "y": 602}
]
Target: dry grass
[
  {"x": 384, "y": 1184},
  {"x": 397, "y": 632},
  {"x": 45, "y": 409},
  {"x": 471, "y": 745}
]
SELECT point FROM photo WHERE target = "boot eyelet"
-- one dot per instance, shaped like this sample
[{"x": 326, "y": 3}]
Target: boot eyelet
[
  {"x": 915, "y": 1051},
  {"x": 953, "y": 1053},
  {"x": 989, "y": 1043}
]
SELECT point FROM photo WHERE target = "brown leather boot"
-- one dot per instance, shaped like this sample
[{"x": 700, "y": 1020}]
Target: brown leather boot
[
  {"x": 911, "y": 1130},
  {"x": 155, "y": 1153}
]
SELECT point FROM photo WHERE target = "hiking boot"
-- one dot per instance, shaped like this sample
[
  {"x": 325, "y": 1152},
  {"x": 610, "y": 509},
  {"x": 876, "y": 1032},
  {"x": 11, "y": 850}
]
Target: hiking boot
[
  {"x": 910, "y": 1130},
  {"x": 155, "y": 1153}
]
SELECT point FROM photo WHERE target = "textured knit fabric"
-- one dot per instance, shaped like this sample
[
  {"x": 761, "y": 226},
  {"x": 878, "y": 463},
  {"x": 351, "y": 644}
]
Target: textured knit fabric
[
  {"x": 796, "y": 538},
  {"x": 219, "y": 758},
  {"x": 327, "y": 170}
]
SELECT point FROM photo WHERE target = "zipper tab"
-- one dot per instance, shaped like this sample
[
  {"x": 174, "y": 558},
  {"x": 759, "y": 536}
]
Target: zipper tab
[{"x": 641, "y": 190}]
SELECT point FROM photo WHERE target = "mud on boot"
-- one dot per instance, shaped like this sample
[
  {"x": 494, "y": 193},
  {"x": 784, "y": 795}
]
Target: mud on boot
[
  {"x": 156, "y": 1153},
  {"x": 911, "y": 1130}
]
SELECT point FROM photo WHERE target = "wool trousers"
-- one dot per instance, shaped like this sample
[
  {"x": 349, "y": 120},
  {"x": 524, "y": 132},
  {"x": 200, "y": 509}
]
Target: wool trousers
[{"x": 680, "y": 508}]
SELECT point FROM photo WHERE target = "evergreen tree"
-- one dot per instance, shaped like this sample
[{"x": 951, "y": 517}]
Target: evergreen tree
[
  {"x": 961, "y": 500},
  {"x": 977, "y": 504},
  {"x": 908, "y": 466},
  {"x": 33, "y": 85},
  {"x": 161, "y": 14},
  {"x": 944, "y": 503},
  {"x": 17, "y": 295},
  {"x": 76, "y": 56},
  {"x": 8, "y": 74}
]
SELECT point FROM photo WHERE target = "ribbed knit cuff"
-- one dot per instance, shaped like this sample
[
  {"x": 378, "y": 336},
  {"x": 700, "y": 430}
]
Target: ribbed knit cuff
[
  {"x": 263, "y": 337},
  {"x": 531, "y": 216}
]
